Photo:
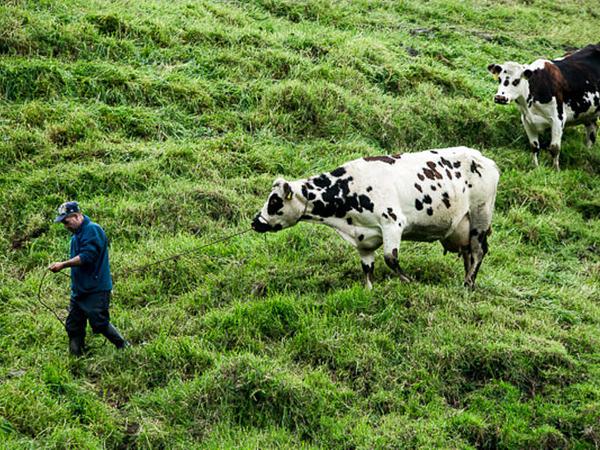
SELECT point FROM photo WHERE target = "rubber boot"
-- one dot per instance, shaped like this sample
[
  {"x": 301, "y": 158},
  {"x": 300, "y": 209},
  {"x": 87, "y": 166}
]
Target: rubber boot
[
  {"x": 76, "y": 345},
  {"x": 113, "y": 335}
]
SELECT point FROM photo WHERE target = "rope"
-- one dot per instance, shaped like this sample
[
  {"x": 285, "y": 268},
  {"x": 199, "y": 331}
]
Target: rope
[
  {"x": 140, "y": 268},
  {"x": 179, "y": 255},
  {"x": 39, "y": 297}
]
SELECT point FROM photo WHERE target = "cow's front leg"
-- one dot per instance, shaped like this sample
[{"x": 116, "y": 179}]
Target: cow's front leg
[
  {"x": 534, "y": 139},
  {"x": 557, "y": 131},
  {"x": 391, "y": 243},
  {"x": 367, "y": 260},
  {"x": 590, "y": 133}
]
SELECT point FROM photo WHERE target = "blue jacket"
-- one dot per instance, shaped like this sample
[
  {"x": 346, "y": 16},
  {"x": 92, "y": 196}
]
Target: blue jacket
[{"x": 91, "y": 244}]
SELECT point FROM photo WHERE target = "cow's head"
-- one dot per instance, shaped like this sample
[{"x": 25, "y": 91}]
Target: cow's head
[
  {"x": 512, "y": 78},
  {"x": 283, "y": 208}
]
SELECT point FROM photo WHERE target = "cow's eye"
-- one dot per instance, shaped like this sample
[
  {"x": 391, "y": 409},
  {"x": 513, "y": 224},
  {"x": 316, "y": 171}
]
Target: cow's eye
[{"x": 516, "y": 82}]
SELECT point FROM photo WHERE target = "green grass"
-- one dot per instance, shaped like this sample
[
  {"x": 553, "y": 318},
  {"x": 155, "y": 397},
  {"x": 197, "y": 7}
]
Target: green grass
[{"x": 168, "y": 121}]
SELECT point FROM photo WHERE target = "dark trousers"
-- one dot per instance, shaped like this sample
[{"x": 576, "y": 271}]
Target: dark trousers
[{"x": 92, "y": 307}]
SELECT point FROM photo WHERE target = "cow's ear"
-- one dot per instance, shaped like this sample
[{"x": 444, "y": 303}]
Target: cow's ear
[
  {"x": 287, "y": 191},
  {"x": 494, "y": 69},
  {"x": 527, "y": 74}
]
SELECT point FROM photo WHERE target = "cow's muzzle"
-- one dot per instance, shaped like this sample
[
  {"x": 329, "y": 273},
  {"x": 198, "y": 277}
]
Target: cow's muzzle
[
  {"x": 501, "y": 99},
  {"x": 260, "y": 224}
]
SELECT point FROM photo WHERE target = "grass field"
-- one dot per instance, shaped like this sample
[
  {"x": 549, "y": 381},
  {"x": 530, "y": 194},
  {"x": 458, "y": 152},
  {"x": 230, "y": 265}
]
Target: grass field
[{"x": 168, "y": 122}]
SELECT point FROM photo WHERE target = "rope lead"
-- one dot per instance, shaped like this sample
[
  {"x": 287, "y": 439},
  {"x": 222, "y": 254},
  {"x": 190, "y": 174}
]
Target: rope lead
[{"x": 138, "y": 268}]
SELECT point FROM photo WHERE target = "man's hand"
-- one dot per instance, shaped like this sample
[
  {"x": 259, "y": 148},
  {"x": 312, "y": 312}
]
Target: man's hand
[{"x": 56, "y": 267}]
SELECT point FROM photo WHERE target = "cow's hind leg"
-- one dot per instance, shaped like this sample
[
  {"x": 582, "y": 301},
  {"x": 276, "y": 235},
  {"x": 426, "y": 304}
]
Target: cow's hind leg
[
  {"x": 391, "y": 243},
  {"x": 590, "y": 133},
  {"x": 481, "y": 221},
  {"x": 465, "y": 252},
  {"x": 367, "y": 260}
]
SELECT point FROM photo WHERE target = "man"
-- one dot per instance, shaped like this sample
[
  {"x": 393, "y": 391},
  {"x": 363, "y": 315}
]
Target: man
[{"x": 91, "y": 281}]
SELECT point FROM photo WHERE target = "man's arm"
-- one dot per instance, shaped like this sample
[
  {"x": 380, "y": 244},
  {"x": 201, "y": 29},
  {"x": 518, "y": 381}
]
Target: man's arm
[{"x": 58, "y": 266}]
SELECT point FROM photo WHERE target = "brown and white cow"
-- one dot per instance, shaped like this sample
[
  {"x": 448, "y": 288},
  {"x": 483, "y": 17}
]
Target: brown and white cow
[
  {"x": 553, "y": 94},
  {"x": 444, "y": 195}
]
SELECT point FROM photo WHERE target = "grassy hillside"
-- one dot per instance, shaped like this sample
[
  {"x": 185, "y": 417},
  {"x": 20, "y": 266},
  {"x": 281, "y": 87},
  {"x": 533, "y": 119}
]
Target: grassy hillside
[{"x": 168, "y": 121}]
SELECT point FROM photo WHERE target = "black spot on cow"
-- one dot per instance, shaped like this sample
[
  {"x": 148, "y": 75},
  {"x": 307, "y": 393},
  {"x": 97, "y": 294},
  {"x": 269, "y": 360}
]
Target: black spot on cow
[
  {"x": 470, "y": 185},
  {"x": 384, "y": 215},
  {"x": 369, "y": 189},
  {"x": 430, "y": 211},
  {"x": 391, "y": 214},
  {"x": 336, "y": 199},
  {"x": 457, "y": 174},
  {"x": 427, "y": 199},
  {"x": 456, "y": 164},
  {"x": 366, "y": 202},
  {"x": 433, "y": 188},
  {"x": 361, "y": 237},
  {"x": 560, "y": 110},
  {"x": 275, "y": 205},
  {"x": 473, "y": 232},
  {"x": 446, "y": 163},
  {"x": 309, "y": 186},
  {"x": 432, "y": 172},
  {"x": 448, "y": 174},
  {"x": 349, "y": 220},
  {"x": 319, "y": 209},
  {"x": 434, "y": 152},
  {"x": 446, "y": 202},
  {"x": 322, "y": 181},
  {"x": 418, "y": 187},
  {"x": 421, "y": 177},
  {"x": 340, "y": 171},
  {"x": 475, "y": 168},
  {"x": 418, "y": 204},
  {"x": 311, "y": 196},
  {"x": 385, "y": 159}
]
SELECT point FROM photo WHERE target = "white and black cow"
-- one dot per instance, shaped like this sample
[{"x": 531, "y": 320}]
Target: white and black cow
[
  {"x": 553, "y": 94},
  {"x": 444, "y": 194}
]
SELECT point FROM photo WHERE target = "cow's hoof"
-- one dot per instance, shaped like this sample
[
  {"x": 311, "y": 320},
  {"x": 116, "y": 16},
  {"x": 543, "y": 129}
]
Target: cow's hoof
[
  {"x": 404, "y": 278},
  {"x": 469, "y": 285}
]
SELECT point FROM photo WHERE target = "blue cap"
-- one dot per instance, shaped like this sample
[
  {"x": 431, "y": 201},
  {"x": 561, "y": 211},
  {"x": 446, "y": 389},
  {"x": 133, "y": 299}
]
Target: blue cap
[{"x": 65, "y": 209}]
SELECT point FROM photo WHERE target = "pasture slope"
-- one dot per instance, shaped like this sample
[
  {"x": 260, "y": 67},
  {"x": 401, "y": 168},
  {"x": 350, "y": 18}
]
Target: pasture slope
[{"x": 168, "y": 121}]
